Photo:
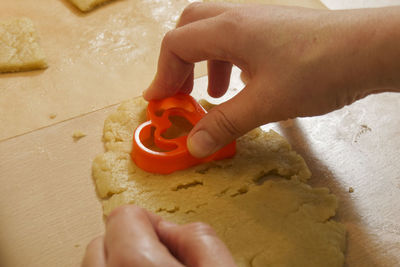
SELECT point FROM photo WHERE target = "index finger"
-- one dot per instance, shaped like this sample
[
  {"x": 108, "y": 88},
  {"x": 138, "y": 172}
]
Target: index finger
[{"x": 206, "y": 39}]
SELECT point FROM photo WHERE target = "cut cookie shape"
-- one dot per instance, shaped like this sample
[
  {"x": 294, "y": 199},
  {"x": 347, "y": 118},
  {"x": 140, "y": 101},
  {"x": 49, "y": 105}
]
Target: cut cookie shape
[
  {"x": 156, "y": 153},
  {"x": 87, "y": 5},
  {"x": 19, "y": 47}
]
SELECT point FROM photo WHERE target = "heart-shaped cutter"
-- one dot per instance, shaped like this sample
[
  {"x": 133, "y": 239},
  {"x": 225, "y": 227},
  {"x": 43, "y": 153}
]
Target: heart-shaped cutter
[{"x": 171, "y": 154}]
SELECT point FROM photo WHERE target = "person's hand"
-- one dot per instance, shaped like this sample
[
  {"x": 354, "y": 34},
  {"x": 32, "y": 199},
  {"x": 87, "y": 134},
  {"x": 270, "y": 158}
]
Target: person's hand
[
  {"x": 136, "y": 237},
  {"x": 298, "y": 62}
]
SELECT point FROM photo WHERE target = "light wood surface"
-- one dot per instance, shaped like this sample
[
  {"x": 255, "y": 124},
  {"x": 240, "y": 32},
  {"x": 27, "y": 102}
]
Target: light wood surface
[
  {"x": 48, "y": 206},
  {"x": 359, "y": 147},
  {"x": 49, "y": 209},
  {"x": 95, "y": 59}
]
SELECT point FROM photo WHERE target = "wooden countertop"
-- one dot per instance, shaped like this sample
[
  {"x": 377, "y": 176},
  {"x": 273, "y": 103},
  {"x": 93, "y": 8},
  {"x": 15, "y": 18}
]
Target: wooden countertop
[{"x": 49, "y": 209}]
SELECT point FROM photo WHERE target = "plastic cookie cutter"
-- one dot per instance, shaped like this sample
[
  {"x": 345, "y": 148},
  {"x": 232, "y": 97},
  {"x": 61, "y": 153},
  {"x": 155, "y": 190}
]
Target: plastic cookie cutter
[{"x": 155, "y": 152}]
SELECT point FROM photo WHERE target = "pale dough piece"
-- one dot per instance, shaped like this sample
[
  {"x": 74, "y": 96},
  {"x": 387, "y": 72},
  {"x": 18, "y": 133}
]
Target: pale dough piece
[
  {"x": 19, "y": 47},
  {"x": 87, "y": 5},
  {"x": 78, "y": 135},
  {"x": 264, "y": 222}
]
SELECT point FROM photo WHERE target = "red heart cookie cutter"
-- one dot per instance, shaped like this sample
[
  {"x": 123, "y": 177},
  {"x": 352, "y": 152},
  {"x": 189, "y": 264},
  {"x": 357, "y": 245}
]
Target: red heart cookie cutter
[{"x": 156, "y": 154}]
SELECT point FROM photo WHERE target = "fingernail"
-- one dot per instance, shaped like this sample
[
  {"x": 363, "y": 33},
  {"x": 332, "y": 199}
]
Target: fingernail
[{"x": 201, "y": 144}]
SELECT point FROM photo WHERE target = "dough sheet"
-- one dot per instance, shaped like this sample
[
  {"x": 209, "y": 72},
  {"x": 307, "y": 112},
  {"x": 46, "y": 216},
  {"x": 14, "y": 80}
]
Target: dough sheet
[{"x": 258, "y": 201}]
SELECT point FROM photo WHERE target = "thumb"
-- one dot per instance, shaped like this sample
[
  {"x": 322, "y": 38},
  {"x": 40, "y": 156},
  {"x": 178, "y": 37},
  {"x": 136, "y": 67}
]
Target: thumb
[
  {"x": 194, "y": 244},
  {"x": 223, "y": 124}
]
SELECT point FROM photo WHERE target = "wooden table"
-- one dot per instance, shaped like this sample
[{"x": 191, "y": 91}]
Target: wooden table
[{"x": 49, "y": 209}]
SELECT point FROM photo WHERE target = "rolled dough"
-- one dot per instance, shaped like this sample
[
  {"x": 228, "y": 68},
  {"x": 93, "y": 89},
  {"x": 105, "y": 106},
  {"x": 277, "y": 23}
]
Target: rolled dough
[
  {"x": 87, "y": 5},
  {"x": 277, "y": 221},
  {"x": 19, "y": 47}
]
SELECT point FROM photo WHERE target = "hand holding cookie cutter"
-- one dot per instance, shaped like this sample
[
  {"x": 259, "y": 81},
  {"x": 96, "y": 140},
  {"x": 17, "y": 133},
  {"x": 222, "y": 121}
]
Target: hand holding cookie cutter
[{"x": 156, "y": 154}]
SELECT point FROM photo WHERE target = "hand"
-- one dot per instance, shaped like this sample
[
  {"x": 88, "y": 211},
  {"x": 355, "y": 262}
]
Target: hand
[
  {"x": 136, "y": 237},
  {"x": 298, "y": 62}
]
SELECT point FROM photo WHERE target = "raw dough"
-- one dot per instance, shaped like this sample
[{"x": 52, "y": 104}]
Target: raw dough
[
  {"x": 77, "y": 135},
  {"x": 19, "y": 47},
  {"x": 264, "y": 221},
  {"x": 87, "y": 5}
]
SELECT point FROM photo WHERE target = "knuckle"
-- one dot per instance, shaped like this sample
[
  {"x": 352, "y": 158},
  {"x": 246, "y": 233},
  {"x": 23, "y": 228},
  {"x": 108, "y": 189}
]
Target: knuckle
[
  {"x": 137, "y": 258},
  {"x": 224, "y": 124},
  {"x": 202, "y": 228},
  {"x": 235, "y": 27},
  {"x": 232, "y": 20},
  {"x": 124, "y": 210},
  {"x": 188, "y": 14},
  {"x": 227, "y": 24},
  {"x": 124, "y": 260},
  {"x": 168, "y": 38},
  {"x": 235, "y": 17},
  {"x": 94, "y": 243}
]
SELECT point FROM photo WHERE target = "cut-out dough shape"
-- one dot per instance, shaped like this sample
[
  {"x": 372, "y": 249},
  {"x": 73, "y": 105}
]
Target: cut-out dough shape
[
  {"x": 87, "y": 5},
  {"x": 19, "y": 47},
  {"x": 264, "y": 222}
]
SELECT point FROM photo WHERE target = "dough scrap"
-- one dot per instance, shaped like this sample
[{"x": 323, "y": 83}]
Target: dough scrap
[
  {"x": 87, "y": 5},
  {"x": 19, "y": 47},
  {"x": 77, "y": 135},
  {"x": 277, "y": 221}
]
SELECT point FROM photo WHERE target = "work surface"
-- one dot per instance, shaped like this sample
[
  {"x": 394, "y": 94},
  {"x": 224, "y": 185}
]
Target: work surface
[
  {"x": 95, "y": 59},
  {"x": 49, "y": 209}
]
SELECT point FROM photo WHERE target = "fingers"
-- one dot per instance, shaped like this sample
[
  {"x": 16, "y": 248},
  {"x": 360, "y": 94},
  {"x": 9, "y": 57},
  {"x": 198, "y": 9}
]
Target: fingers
[
  {"x": 95, "y": 254},
  {"x": 226, "y": 122},
  {"x": 132, "y": 241},
  {"x": 198, "y": 11},
  {"x": 195, "y": 244},
  {"x": 136, "y": 237},
  {"x": 182, "y": 47},
  {"x": 219, "y": 74},
  {"x": 172, "y": 74}
]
